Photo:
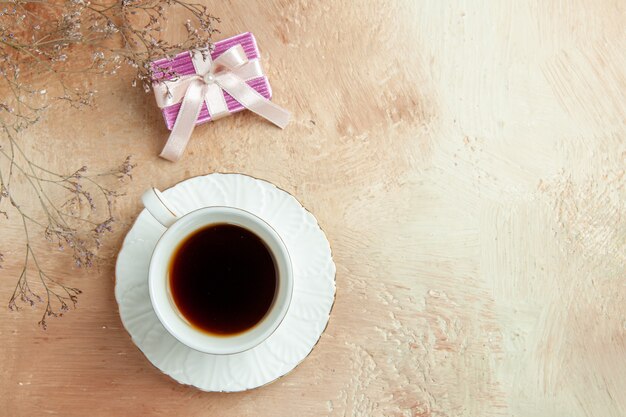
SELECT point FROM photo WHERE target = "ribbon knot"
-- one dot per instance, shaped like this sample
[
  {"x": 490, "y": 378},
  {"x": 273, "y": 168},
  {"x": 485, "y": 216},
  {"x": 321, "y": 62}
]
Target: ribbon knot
[
  {"x": 229, "y": 73},
  {"x": 209, "y": 78}
]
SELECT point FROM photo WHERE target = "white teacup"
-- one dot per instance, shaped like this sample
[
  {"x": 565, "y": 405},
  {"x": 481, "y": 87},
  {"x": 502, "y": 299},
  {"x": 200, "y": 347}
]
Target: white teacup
[{"x": 179, "y": 228}]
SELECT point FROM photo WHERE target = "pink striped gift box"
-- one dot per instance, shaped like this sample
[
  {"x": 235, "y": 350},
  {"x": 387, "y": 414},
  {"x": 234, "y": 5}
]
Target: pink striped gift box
[{"x": 181, "y": 65}]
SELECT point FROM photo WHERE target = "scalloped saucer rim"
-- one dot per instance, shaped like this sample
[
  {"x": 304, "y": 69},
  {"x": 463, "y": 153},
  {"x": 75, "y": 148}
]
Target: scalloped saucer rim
[{"x": 244, "y": 363}]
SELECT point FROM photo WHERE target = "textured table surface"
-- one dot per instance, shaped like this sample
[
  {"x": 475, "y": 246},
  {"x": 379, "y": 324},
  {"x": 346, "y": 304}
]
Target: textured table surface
[{"x": 466, "y": 161}]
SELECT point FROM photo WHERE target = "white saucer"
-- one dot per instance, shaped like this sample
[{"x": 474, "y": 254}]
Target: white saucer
[{"x": 313, "y": 295}]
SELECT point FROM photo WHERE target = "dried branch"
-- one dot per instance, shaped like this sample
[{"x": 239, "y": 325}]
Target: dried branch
[{"x": 49, "y": 51}]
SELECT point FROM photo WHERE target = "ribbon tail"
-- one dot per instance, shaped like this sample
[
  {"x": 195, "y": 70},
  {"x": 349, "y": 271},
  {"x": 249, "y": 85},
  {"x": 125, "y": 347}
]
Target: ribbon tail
[
  {"x": 185, "y": 122},
  {"x": 252, "y": 100}
]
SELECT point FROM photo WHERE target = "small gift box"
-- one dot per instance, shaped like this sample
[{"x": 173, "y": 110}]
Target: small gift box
[{"x": 196, "y": 87}]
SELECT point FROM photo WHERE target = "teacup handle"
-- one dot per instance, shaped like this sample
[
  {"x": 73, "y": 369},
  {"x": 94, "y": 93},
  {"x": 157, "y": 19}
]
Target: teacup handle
[{"x": 158, "y": 206}]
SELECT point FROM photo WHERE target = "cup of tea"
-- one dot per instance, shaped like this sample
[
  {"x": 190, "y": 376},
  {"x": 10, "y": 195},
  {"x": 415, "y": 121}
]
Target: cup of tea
[{"x": 220, "y": 278}]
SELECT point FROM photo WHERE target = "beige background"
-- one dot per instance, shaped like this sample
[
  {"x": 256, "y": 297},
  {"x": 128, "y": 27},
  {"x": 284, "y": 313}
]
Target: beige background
[{"x": 466, "y": 160}]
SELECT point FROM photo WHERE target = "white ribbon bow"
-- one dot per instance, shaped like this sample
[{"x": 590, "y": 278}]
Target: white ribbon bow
[{"x": 227, "y": 73}]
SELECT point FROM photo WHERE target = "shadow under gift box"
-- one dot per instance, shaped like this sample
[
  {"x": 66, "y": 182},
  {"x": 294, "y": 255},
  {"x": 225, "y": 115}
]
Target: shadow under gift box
[{"x": 182, "y": 64}]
